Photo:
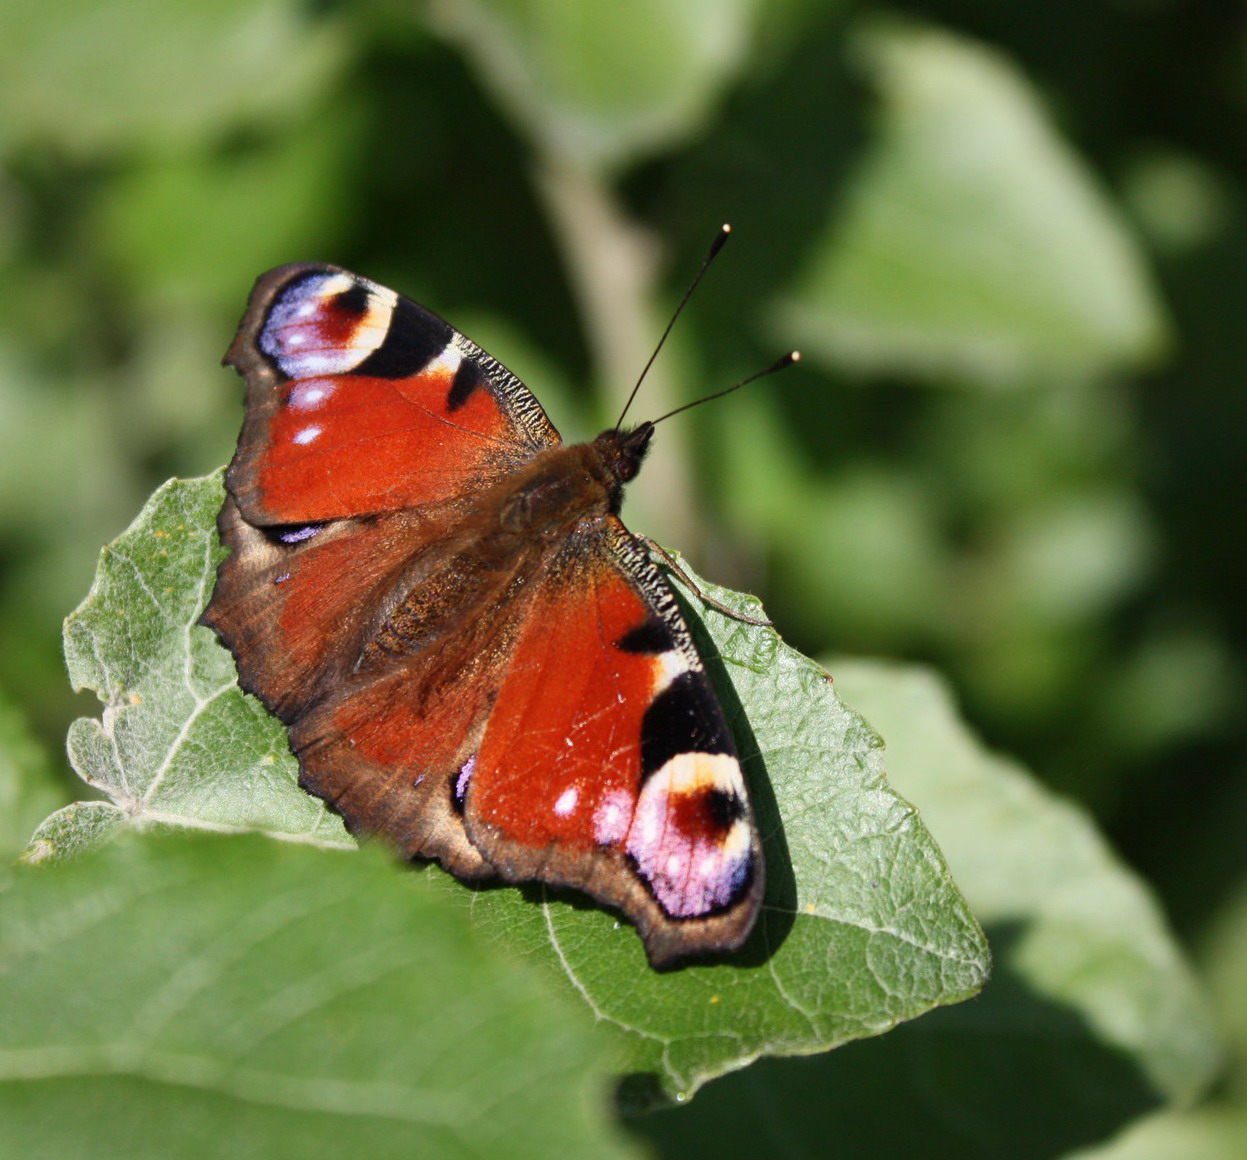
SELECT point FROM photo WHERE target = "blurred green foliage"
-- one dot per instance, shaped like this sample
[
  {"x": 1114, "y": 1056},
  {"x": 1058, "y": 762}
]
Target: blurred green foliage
[{"x": 1011, "y": 239}]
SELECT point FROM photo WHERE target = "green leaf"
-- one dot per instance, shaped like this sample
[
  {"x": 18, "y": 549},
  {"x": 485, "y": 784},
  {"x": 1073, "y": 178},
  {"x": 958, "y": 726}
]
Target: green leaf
[
  {"x": 179, "y": 741},
  {"x": 1226, "y": 965},
  {"x": 195, "y": 228},
  {"x": 211, "y": 996},
  {"x": 973, "y": 242},
  {"x": 602, "y": 84},
  {"x": 27, "y": 789},
  {"x": 95, "y": 74},
  {"x": 1091, "y": 1018},
  {"x": 78, "y": 828},
  {"x": 1217, "y": 1130},
  {"x": 862, "y": 927}
]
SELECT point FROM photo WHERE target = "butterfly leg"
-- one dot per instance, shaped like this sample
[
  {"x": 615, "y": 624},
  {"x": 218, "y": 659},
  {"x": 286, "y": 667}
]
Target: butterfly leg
[{"x": 658, "y": 550}]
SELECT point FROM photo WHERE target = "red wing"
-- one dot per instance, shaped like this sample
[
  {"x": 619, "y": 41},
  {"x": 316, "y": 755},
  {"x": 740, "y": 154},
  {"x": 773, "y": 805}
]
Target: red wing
[
  {"x": 387, "y": 751},
  {"x": 359, "y": 401},
  {"x": 606, "y": 763}
]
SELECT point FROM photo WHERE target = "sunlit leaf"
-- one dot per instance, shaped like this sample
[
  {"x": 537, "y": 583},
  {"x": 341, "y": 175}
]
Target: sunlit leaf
[
  {"x": 179, "y": 742},
  {"x": 1084, "y": 932},
  {"x": 862, "y": 927},
  {"x": 1090, "y": 1020}
]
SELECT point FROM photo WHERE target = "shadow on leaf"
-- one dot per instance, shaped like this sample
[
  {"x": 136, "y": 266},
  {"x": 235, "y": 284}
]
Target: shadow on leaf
[{"x": 1010, "y": 1075}]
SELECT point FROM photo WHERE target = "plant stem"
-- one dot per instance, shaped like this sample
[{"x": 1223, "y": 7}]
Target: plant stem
[{"x": 612, "y": 264}]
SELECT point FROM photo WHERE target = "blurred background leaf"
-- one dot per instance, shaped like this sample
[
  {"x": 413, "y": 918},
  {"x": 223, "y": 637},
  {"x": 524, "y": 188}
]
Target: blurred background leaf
[
  {"x": 602, "y": 84},
  {"x": 1013, "y": 239},
  {"x": 972, "y": 243},
  {"x": 28, "y": 792},
  {"x": 93, "y": 77},
  {"x": 1075, "y": 927}
]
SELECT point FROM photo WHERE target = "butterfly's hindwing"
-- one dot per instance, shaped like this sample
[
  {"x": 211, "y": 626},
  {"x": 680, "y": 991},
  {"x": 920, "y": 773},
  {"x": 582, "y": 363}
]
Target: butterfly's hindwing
[{"x": 606, "y": 763}]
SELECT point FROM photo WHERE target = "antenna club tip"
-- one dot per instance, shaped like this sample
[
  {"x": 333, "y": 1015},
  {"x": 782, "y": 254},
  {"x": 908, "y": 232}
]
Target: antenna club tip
[
  {"x": 725, "y": 228},
  {"x": 784, "y": 361}
]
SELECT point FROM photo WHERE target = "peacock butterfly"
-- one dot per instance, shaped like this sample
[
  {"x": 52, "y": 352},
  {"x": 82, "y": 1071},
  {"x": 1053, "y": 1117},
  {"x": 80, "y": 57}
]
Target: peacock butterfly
[{"x": 474, "y": 658}]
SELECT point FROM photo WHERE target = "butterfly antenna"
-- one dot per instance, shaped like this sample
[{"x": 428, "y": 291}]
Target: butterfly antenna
[
  {"x": 791, "y": 357},
  {"x": 719, "y": 239}
]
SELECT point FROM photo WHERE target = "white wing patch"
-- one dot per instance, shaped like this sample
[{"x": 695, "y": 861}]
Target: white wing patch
[
  {"x": 667, "y": 666},
  {"x": 307, "y": 335},
  {"x": 692, "y": 863}
]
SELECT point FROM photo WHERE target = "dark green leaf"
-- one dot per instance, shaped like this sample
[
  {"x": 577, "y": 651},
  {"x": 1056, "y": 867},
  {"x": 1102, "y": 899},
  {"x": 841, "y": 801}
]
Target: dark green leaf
[{"x": 27, "y": 789}]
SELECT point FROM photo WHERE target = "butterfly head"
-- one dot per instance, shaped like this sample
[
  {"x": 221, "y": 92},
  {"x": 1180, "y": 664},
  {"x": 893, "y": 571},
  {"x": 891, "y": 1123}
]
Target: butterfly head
[
  {"x": 617, "y": 454},
  {"x": 622, "y": 451}
]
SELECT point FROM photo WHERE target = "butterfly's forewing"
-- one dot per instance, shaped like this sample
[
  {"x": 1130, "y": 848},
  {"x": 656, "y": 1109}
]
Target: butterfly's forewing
[
  {"x": 359, "y": 401},
  {"x": 371, "y": 426},
  {"x": 606, "y": 763}
]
